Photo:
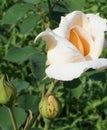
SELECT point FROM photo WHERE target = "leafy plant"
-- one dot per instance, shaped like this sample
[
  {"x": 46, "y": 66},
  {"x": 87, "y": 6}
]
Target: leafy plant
[{"x": 83, "y": 100}]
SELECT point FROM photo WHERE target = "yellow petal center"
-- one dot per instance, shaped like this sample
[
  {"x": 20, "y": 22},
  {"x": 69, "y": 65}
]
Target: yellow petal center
[{"x": 79, "y": 41}]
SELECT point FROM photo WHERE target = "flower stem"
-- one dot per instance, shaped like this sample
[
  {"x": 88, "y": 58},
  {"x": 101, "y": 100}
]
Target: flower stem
[
  {"x": 47, "y": 124},
  {"x": 13, "y": 119},
  {"x": 50, "y": 8},
  {"x": 31, "y": 122},
  {"x": 51, "y": 88},
  {"x": 46, "y": 127},
  {"x": 49, "y": 5},
  {"x": 38, "y": 116}
]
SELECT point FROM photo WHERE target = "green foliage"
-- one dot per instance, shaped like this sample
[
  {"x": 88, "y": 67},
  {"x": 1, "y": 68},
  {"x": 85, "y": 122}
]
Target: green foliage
[
  {"x": 38, "y": 66},
  {"x": 5, "y": 122},
  {"x": 19, "y": 55},
  {"x": 84, "y": 100},
  {"x": 31, "y": 102},
  {"x": 20, "y": 84},
  {"x": 29, "y": 23},
  {"x": 16, "y": 12},
  {"x": 74, "y": 4}
]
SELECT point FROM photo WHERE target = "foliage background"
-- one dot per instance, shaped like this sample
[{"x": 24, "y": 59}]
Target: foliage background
[{"x": 84, "y": 100}]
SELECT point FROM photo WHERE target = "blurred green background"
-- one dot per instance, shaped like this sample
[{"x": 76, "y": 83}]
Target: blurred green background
[{"x": 84, "y": 100}]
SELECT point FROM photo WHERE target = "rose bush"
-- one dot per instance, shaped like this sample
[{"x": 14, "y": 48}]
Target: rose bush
[{"x": 75, "y": 46}]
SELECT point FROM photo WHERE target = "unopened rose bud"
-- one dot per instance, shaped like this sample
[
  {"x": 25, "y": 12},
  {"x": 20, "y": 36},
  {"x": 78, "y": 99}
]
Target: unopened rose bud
[
  {"x": 49, "y": 107},
  {"x": 7, "y": 91}
]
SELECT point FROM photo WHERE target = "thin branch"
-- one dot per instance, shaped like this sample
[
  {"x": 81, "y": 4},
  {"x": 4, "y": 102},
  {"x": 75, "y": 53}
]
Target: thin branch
[{"x": 13, "y": 119}]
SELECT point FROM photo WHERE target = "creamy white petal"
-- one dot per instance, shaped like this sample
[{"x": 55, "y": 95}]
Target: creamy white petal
[
  {"x": 60, "y": 50},
  {"x": 78, "y": 18},
  {"x": 97, "y": 22},
  {"x": 71, "y": 20},
  {"x": 70, "y": 71},
  {"x": 45, "y": 35},
  {"x": 92, "y": 23},
  {"x": 100, "y": 64},
  {"x": 66, "y": 72},
  {"x": 98, "y": 26}
]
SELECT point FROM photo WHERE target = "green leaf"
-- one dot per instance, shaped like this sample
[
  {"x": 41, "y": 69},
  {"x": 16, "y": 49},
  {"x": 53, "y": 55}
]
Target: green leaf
[
  {"x": 55, "y": 15},
  {"x": 77, "y": 92},
  {"x": 20, "y": 84},
  {"x": 60, "y": 8},
  {"x": 93, "y": 104},
  {"x": 105, "y": 111},
  {"x": 36, "y": 129},
  {"x": 38, "y": 66},
  {"x": 72, "y": 84},
  {"x": 20, "y": 115},
  {"x": 5, "y": 121},
  {"x": 32, "y": 1},
  {"x": 16, "y": 12},
  {"x": 29, "y": 23},
  {"x": 99, "y": 75},
  {"x": 101, "y": 124},
  {"x": 16, "y": 54},
  {"x": 28, "y": 101},
  {"x": 74, "y": 4}
]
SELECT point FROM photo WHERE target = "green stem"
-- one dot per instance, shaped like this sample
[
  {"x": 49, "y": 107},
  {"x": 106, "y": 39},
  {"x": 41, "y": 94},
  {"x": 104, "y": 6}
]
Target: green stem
[
  {"x": 13, "y": 119},
  {"x": 49, "y": 5},
  {"x": 38, "y": 117},
  {"x": 51, "y": 88},
  {"x": 50, "y": 8},
  {"x": 43, "y": 90},
  {"x": 46, "y": 127},
  {"x": 31, "y": 123},
  {"x": 37, "y": 121},
  {"x": 47, "y": 124}
]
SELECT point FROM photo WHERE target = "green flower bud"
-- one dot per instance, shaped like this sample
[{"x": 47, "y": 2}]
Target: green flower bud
[
  {"x": 7, "y": 91},
  {"x": 49, "y": 107}
]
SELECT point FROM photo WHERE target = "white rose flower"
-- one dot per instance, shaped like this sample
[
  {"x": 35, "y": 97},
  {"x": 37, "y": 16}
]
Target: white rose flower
[{"x": 75, "y": 46}]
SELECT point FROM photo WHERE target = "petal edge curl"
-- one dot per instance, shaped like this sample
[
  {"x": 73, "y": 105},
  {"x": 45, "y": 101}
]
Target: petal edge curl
[{"x": 70, "y": 71}]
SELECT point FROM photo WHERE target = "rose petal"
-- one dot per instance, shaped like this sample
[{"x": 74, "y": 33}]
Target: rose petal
[
  {"x": 92, "y": 23},
  {"x": 98, "y": 26},
  {"x": 66, "y": 72},
  {"x": 87, "y": 41},
  {"x": 70, "y": 20},
  {"x": 66, "y": 61},
  {"x": 70, "y": 71},
  {"x": 97, "y": 22},
  {"x": 98, "y": 64},
  {"x": 60, "y": 50}
]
